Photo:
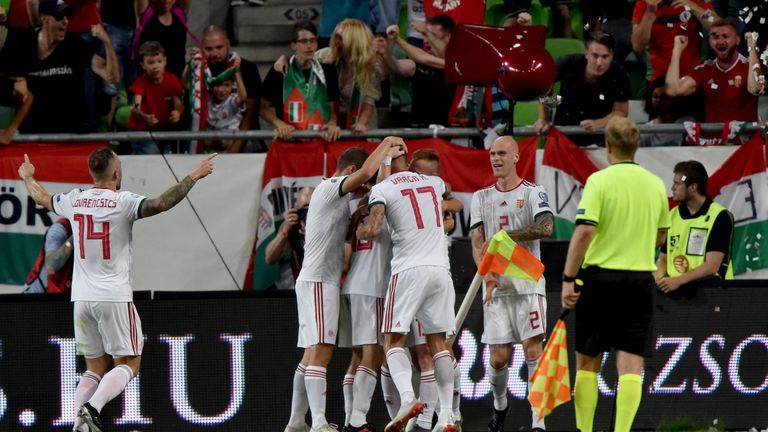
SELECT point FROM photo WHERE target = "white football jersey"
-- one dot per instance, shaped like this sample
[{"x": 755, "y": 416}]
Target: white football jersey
[
  {"x": 513, "y": 209},
  {"x": 102, "y": 225},
  {"x": 413, "y": 210},
  {"x": 326, "y": 227},
  {"x": 369, "y": 268}
]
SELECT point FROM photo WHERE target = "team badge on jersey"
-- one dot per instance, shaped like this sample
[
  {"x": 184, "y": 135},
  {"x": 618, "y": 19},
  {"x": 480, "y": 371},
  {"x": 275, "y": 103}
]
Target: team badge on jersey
[{"x": 520, "y": 202}]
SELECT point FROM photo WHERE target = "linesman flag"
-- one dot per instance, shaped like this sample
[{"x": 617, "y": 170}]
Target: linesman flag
[
  {"x": 551, "y": 380},
  {"x": 505, "y": 257}
]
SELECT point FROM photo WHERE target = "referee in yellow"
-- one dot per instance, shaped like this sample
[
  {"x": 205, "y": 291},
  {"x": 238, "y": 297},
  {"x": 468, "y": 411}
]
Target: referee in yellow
[{"x": 622, "y": 218}]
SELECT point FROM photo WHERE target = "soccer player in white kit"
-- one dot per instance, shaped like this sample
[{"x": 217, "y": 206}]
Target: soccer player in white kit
[
  {"x": 107, "y": 326},
  {"x": 317, "y": 287},
  {"x": 420, "y": 286},
  {"x": 362, "y": 309},
  {"x": 514, "y": 310}
]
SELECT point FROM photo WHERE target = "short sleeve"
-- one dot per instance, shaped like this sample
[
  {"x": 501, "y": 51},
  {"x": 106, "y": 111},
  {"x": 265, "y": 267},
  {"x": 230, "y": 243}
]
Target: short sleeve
[
  {"x": 699, "y": 74},
  {"x": 138, "y": 87},
  {"x": 475, "y": 211},
  {"x": 273, "y": 89},
  {"x": 174, "y": 85},
  {"x": 539, "y": 201},
  {"x": 664, "y": 218},
  {"x": 251, "y": 79},
  {"x": 55, "y": 237},
  {"x": 638, "y": 12},
  {"x": 61, "y": 204},
  {"x": 377, "y": 196},
  {"x": 589, "y": 209},
  {"x": 132, "y": 204},
  {"x": 722, "y": 231}
]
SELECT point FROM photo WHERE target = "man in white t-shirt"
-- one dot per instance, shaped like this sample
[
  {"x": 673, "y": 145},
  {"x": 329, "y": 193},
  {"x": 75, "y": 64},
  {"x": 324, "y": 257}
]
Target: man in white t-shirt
[
  {"x": 420, "y": 287},
  {"x": 514, "y": 310},
  {"x": 317, "y": 287},
  {"x": 107, "y": 326}
]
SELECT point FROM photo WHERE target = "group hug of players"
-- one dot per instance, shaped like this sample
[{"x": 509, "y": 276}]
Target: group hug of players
[{"x": 398, "y": 291}]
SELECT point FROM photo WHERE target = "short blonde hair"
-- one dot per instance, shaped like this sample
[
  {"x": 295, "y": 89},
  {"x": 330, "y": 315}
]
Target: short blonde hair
[{"x": 623, "y": 136}]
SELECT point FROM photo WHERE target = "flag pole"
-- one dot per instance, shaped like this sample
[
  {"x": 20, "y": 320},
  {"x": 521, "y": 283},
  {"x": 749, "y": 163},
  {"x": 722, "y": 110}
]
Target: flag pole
[{"x": 466, "y": 304}]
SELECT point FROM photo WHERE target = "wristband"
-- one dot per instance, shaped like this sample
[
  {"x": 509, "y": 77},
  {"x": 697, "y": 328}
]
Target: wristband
[
  {"x": 387, "y": 161},
  {"x": 574, "y": 279}
]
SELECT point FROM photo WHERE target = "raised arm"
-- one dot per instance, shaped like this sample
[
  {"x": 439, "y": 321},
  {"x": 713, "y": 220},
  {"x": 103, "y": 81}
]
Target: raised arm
[
  {"x": 108, "y": 69},
  {"x": 174, "y": 194},
  {"x": 677, "y": 86},
  {"x": 641, "y": 32},
  {"x": 390, "y": 146},
  {"x": 419, "y": 55},
  {"x": 755, "y": 77},
  {"x": 36, "y": 191}
]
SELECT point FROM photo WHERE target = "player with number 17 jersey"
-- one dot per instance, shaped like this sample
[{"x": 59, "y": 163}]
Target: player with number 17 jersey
[{"x": 102, "y": 222}]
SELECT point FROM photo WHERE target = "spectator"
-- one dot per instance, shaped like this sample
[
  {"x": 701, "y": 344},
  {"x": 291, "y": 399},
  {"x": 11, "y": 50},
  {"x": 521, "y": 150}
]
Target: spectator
[
  {"x": 663, "y": 109},
  {"x": 14, "y": 93},
  {"x": 52, "y": 271},
  {"x": 698, "y": 247},
  {"x": 518, "y": 14},
  {"x": 305, "y": 95},
  {"x": 53, "y": 61},
  {"x": 121, "y": 17},
  {"x": 156, "y": 97},
  {"x": 727, "y": 96},
  {"x": 594, "y": 89},
  {"x": 432, "y": 97},
  {"x": 217, "y": 55},
  {"x": 165, "y": 21},
  {"x": 225, "y": 112},
  {"x": 290, "y": 237},
  {"x": 19, "y": 12},
  {"x": 655, "y": 24},
  {"x": 352, "y": 54},
  {"x": 614, "y": 17}
]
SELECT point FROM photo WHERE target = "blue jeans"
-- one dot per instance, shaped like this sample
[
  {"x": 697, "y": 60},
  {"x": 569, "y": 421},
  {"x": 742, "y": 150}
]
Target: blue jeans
[{"x": 122, "y": 42}]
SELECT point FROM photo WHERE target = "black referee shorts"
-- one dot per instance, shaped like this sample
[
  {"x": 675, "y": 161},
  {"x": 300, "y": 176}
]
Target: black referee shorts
[{"x": 615, "y": 310}]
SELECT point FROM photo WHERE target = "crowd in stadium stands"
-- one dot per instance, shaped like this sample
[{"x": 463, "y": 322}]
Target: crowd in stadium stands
[{"x": 76, "y": 66}]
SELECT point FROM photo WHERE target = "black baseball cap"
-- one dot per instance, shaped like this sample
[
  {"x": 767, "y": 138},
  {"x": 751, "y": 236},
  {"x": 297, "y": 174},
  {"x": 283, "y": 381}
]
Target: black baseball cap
[{"x": 55, "y": 8}]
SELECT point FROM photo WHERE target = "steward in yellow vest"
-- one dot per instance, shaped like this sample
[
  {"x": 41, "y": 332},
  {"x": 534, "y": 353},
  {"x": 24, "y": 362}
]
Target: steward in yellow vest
[{"x": 698, "y": 246}]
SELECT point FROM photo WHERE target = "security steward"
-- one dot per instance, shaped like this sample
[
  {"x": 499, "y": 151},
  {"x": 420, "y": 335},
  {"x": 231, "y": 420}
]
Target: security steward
[{"x": 698, "y": 248}]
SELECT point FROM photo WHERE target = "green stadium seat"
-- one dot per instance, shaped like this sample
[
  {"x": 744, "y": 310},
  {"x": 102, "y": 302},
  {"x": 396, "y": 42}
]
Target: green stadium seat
[
  {"x": 540, "y": 15},
  {"x": 559, "y": 47},
  {"x": 577, "y": 21},
  {"x": 495, "y": 15},
  {"x": 526, "y": 113},
  {"x": 6, "y": 115}
]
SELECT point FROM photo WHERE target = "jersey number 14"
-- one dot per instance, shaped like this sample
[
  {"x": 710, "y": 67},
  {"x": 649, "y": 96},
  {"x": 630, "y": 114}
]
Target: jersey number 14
[{"x": 87, "y": 231}]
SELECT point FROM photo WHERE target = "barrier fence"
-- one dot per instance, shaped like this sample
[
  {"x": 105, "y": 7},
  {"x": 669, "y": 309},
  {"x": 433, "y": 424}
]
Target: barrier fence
[{"x": 433, "y": 132}]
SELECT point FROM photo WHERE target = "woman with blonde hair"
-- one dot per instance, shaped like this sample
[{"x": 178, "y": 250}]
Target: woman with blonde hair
[{"x": 360, "y": 73}]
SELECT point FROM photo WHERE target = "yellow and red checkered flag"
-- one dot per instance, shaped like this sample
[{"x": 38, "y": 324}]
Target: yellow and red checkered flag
[
  {"x": 506, "y": 257},
  {"x": 551, "y": 380}
]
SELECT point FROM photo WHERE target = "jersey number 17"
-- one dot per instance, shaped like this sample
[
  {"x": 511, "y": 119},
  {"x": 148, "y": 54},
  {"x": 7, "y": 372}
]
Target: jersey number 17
[{"x": 411, "y": 194}]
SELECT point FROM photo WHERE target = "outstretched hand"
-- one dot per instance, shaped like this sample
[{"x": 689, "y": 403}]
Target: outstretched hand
[
  {"x": 26, "y": 170},
  {"x": 204, "y": 168}
]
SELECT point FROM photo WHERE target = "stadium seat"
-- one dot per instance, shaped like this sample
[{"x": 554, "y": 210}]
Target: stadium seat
[
  {"x": 559, "y": 47},
  {"x": 495, "y": 14},
  {"x": 6, "y": 115},
  {"x": 577, "y": 21},
  {"x": 526, "y": 113}
]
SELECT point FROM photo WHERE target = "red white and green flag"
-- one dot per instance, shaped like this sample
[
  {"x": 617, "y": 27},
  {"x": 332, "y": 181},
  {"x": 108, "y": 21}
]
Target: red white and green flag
[
  {"x": 741, "y": 185},
  {"x": 59, "y": 168},
  {"x": 564, "y": 171}
]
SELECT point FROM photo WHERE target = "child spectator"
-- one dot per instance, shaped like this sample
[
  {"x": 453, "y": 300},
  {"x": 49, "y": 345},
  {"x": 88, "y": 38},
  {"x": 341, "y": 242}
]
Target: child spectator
[
  {"x": 157, "y": 96},
  {"x": 227, "y": 104}
]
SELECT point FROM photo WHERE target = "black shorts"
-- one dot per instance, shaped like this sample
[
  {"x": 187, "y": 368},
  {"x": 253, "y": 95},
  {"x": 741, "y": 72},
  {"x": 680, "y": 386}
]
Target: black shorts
[{"x": 615, "y": 310}]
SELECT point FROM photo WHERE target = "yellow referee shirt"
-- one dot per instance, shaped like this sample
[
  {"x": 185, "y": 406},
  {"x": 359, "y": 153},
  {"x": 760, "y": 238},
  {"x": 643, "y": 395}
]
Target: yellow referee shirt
[{"x": 628, "y": 205}]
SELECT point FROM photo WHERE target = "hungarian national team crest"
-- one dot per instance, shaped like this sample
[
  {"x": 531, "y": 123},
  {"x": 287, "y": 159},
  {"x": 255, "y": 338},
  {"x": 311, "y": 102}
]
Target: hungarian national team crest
[{"x": 520, "y": 202}]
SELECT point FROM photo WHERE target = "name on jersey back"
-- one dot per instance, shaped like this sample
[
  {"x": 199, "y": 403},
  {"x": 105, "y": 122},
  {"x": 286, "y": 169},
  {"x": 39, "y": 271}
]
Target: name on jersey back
[
  {"x": 408, "y": 179},
  {"x": 95, "y": 203}
]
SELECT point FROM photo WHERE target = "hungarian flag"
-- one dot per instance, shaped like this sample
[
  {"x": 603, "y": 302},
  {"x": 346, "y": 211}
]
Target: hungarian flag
[
  {"x": 58, "y": 168},
  {"x": 741, "y": 185},
  {"x": 551, "y": 380},
  {"x": 506, "y": 257},
  {"x": 564, "y": 171}
]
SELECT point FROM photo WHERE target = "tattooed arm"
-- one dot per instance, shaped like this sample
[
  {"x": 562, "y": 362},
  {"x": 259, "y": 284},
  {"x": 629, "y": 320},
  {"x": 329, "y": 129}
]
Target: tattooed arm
[
  {"x": 372, "y": 225},
  {"x": 174, "y": 194},
  {"x": 540, "y": 228}
]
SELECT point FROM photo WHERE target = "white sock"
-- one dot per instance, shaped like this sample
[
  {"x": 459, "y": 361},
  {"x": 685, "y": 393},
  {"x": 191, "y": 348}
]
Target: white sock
[
  {"x": 428, "y": 396},
  {"x": 456, "y": 391},
  {"x": 314, "y": 379},
  {"x": 348, "y": 388},
  {"x": 390, "y": 393},
  {"x": 499, "y": 378},
  {"x": 400, "y": 367},
  {"x": 536, "y": 422},
  {"x": 299, "y": 402},
  {"x": 87, "y": 386},
  {"x": 365, "y": 383},
  {"x": 444, "y": 378},
  {"x": 111, "y": 386}
]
